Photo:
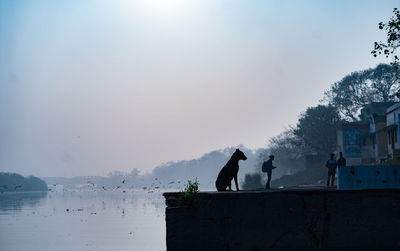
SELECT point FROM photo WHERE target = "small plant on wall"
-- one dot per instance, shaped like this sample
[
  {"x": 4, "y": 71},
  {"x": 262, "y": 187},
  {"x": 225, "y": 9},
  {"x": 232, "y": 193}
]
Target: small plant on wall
[{"x": 190, "y": 192}]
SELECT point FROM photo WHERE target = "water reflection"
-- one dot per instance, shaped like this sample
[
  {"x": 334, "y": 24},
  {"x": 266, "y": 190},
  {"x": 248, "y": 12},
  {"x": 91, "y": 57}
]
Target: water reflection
[
  {"x": 82, "y": 220},
  {"x": 15, "y": 201}
]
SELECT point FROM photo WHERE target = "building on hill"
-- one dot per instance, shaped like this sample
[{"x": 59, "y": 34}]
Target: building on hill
[
  {"x": 392, "y": 131},
  {"x": 372, "y": 149},
  {"x": 365, "y": 142},
  {"x": 377, "y": 108}
]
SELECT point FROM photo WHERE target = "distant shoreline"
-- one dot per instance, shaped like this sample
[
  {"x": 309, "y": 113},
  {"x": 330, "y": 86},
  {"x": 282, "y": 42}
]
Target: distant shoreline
[
  {"x": 13, "y": 182},
  {"x": 24, "y": 192}
]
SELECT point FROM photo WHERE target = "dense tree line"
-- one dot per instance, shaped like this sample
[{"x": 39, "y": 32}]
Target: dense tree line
[{"x": 12, "y": 182}]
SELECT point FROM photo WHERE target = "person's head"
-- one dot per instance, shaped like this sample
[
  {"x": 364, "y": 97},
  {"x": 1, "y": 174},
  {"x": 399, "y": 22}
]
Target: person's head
[
  {"x": 341, "y": 154},
  {"x": 272, "y": 157},
  {"x": 332, "y": 155}
]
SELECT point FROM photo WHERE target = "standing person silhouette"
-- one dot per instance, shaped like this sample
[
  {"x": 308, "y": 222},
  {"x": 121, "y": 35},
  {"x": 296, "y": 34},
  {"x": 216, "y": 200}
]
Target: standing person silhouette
[
  {"x": 267, "y": 168},
  {"x": 341, "y": 161},
  {"x": 331, "y": 165}
]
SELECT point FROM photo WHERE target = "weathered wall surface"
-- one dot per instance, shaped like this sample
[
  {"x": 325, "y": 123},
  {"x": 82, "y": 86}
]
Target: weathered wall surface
[
  {"x": 286, "y": 220},
  {"x": 371, "y": 177}
]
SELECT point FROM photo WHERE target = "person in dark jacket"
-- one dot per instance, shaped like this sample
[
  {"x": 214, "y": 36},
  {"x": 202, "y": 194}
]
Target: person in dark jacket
[
  {"x": 331, "y": 165},
  {"x": 268, "y": 167},
  {"x": 341, "y": 161}
]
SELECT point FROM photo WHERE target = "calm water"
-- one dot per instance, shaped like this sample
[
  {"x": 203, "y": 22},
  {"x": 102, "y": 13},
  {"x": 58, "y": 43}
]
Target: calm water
[{"x": 88, "y": 220}]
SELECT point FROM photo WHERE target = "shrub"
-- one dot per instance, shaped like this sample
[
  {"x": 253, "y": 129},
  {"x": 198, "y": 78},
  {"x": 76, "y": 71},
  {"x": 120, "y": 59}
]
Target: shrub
[
  {"x": 190, "y": 192},
  {"x": 252, "y": 181}
]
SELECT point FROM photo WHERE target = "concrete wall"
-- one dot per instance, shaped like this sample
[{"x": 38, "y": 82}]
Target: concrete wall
[
  {"x": 285, "y": 220},
  {"x": 362, "y": 177}
]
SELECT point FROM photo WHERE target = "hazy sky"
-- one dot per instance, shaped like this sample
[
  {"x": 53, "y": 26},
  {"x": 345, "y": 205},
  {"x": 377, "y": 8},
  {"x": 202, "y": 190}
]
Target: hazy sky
[{"x": 87, "y": 87}]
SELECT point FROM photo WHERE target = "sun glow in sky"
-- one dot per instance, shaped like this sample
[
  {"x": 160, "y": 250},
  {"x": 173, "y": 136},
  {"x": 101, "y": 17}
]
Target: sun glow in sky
[
  {"x": 88, "y": 87},
  {"x": 162, "y": 8}
]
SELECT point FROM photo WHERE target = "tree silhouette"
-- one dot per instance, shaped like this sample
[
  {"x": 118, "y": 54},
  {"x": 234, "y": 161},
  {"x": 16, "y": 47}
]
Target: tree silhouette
[
  {"x": 360, "y": 88},
  {"x": 392, "y": 39},
  {"x": 317, "y": 128}
]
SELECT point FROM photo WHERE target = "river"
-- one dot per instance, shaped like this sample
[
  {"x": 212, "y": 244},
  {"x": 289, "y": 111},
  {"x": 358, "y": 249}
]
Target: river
[{"x": 82, "y": 220}]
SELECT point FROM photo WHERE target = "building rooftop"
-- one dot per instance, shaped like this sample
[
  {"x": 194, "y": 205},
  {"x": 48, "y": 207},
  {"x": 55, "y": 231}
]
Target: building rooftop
[{"x": 392, "y": 107}]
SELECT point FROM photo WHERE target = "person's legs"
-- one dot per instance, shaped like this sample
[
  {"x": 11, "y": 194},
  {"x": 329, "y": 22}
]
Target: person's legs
[
  {"x": 329, "y": 177},
  {"x": 268, "y": 182}
]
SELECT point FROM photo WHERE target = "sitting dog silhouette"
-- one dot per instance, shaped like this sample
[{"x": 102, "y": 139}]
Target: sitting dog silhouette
[{"x": 229, "y": 172}]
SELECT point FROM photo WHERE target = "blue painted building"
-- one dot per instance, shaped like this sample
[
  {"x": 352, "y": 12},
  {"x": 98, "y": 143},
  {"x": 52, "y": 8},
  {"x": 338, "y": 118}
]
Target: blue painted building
[
  {"x": 365, "y": 142},
  {"x": 372, "y": 149}
]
